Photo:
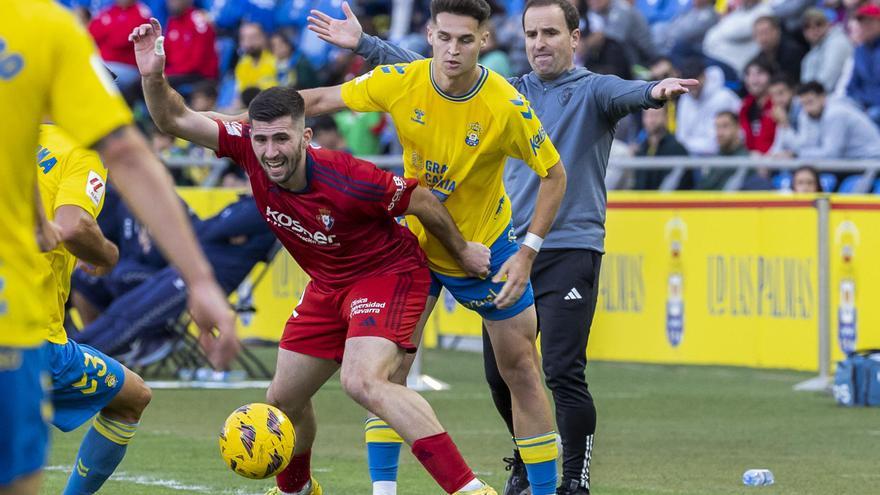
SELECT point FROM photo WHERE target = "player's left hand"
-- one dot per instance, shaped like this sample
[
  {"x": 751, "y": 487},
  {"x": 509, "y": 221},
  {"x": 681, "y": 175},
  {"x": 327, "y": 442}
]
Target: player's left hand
[
  {"x": 517, "y": 270},
  {"x": 670, "y": 88}
]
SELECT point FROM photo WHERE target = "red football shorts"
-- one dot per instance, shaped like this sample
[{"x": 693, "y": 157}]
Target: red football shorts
[{"x": 387, "y": 306}]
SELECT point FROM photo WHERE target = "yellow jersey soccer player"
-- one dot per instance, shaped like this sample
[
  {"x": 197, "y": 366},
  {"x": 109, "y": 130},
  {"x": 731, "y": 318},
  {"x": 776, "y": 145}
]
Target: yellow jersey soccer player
[
  {"x": 72, "y": 181},
  {"x": 458, "y": 122},
  {"x": 49, "y": 68}
]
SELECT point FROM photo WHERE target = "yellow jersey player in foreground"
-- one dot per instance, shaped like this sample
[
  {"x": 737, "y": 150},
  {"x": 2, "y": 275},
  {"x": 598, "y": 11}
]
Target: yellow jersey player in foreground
[
  {"x": 49, "y": 69},
  {"x": 85, "y": 381},
  {"x": 458, "y": 122}
]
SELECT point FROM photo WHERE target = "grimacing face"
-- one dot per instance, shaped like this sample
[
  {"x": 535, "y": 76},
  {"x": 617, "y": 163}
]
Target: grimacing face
[
  {"x": 457, "y": 40},
  {"x": 280, "y": 145},
  {"x": 549, "y": 44}
]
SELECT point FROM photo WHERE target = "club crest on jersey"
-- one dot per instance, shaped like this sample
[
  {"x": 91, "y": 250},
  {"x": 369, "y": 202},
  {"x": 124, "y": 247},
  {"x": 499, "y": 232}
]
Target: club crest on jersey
[
  {"x": 325, "y": 218},
  {"x": 475, "y": 130},
  {"x": 418, "y": 116}
]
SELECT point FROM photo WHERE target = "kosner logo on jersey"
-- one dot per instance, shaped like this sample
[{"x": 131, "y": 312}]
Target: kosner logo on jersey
[{"x": 279, "y": 219}]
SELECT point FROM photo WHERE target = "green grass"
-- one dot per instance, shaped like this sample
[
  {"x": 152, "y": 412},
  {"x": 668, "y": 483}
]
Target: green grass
[{"x": 662, "y": 430}]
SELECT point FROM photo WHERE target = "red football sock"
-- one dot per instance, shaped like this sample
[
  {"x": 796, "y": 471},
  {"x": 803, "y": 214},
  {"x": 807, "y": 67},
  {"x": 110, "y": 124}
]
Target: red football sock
[
  {"x": 444, "y": 463},
  {"x": 296, "y": 474}
]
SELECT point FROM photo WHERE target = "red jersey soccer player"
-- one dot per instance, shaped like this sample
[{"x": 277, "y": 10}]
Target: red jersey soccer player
[{"x": 370, "y": 281}]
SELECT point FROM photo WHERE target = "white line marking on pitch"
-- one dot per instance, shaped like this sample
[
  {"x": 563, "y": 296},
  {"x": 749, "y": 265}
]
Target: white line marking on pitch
[{"x": 122, "y": 476}]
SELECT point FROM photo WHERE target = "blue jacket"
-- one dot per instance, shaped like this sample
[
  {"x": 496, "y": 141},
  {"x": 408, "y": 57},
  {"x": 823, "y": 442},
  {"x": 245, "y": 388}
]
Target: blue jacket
[{"x": 864, "y": 87}]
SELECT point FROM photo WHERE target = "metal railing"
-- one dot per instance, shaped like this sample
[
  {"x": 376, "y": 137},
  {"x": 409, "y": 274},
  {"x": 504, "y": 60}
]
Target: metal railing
[{"x": 678, "y": 166}]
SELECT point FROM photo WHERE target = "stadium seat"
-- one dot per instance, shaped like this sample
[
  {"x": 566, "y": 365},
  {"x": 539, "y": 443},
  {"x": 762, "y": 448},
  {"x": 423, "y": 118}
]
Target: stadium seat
[
  {"x": 828, "y": 182},
  {"x": 876, "y": 189},
  {"x": 849, "y": 185},
  {"x": 782, "y": 181}
]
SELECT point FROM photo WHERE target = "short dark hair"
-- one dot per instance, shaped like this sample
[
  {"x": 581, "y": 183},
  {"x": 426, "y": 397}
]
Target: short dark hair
[
  {"x": 277, "y": 102},
  {"x": 572, "y": 18},
  {"x": 692, "y": 68},
  {"x": 773, "y": 20},
  {"x": 478, "y": 9},
  {"x": 811, "y": 87},
  {"x": 781, "y": 79},
  {"x": 763, "y": 63},
  {"x": 727, "y": 113}
]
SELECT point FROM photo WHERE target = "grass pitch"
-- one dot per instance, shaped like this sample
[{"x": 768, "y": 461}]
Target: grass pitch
[{"x": 662, "y": 430}]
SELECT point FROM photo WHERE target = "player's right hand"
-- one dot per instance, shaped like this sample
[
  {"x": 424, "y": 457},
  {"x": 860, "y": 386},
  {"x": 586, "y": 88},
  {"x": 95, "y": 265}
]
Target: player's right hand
[
  {"x": 344, "y": 33},
  {"x": 149, "y": 50},
  {"x": 476, "y": 260},
  {"x": 210, "y": 309},
  {"x": 48, "y": 235}
]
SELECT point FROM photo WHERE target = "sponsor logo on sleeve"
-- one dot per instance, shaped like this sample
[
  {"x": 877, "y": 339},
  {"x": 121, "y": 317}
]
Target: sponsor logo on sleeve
[
  {"x": 95, "y": 187},
  {"x": 537, "y": 140},
  {"x": 401, "y": 186},
  {"x": 233, "y": 128}
]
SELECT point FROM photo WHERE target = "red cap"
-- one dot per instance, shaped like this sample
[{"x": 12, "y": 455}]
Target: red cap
[{"x": 868, "y": 11}]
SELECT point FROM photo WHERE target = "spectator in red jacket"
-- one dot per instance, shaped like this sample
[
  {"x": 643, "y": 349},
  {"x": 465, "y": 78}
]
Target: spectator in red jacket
[
  {"x": 756, "y": 114},
  {"x": 189, "y": 44},
  {"x": 110, "y": 29}
]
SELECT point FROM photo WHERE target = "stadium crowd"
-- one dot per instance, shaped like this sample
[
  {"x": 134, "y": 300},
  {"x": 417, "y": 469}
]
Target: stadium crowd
[{"x": 780, "y": 78}]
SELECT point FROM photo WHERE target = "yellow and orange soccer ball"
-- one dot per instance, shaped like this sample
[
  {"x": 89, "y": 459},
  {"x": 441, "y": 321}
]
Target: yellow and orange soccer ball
[{"x": 257, "y": 441}]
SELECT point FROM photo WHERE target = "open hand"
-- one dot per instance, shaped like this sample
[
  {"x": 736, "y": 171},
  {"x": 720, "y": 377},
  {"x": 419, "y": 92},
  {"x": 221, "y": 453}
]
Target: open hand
[
  {"x": 149, "y": 50},
  {"x": 344, "y": 33}
]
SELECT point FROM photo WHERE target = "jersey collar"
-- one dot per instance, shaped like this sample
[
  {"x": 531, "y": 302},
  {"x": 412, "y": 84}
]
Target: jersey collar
[{"x": 484, "y": 74}]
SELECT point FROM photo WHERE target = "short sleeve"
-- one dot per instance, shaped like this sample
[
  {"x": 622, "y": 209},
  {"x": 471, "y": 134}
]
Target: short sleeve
[
  {"x": 526, "y": 139},
  {"x": 233, "y": 142},
  {"x": 83, "y": 99},
  {"x": 374, "y": 91},
  {"x": 391, "y": 193},
  {"x": 83, "y": 182}
]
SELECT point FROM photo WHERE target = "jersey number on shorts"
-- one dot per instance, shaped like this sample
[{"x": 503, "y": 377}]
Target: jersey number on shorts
[{"x": 86, "y": 386}]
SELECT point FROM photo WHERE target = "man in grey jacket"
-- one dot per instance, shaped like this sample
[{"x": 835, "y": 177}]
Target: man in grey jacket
[
  {"x": 579, "y": 110},
  {"x": 828, "y": 129},
  {"x": 829, "y": 50}
]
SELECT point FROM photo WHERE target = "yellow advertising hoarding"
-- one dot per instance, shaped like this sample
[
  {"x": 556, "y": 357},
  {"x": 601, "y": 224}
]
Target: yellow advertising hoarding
[
  {"x": 709, "y": 279},
  {"x": 700, "y": 278},
  {"x": 854, "y": 230}
]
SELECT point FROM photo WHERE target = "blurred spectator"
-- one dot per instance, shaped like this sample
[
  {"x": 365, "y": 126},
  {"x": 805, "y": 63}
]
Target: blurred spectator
[
  {"x": 619, "y": 21},
  {"x": 257, "y": 66},
  {"x": 659, "y": 142},
  {"x": 110, "y": 30},
  {"x": 189, "y": 43},
  {"x": 602, "y": 55},
  {"x": 204, "y": 96},
  {"x": 686, "y": 31},
  {"x": 829, "y": 50},
  {"x": 709, "y": 98},
  {"x": 493, "y": 57},
  {"x": 864, "y": 86},
  {"x": 727, "y": 132},
  {"x": 789, "y": 12},
  {"x": 786, "y": 108},
  {"x": 362, "y": 131},
  {"x": 756, "y": 117},
  {"x": 292, "y": 69},
  {"x": 730, "y": 41},
  {"x": 805, "y": 179},
  {"x": 778, "y": 48},
  {"x": 830, "y": 129},
  {"x": 247, "y": 96},
  {"x": 326, "y": 134}
]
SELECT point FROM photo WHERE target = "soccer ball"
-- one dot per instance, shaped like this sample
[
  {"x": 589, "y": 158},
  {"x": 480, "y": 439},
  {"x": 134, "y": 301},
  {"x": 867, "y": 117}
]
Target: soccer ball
[{"x": 257, "y": 441}]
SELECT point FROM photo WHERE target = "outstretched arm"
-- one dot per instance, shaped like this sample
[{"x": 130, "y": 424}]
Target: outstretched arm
[
  {"x": 347, "y": 33},
  {"x": 473, "y": 257},
  {"x": 166, "y": 106}
]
